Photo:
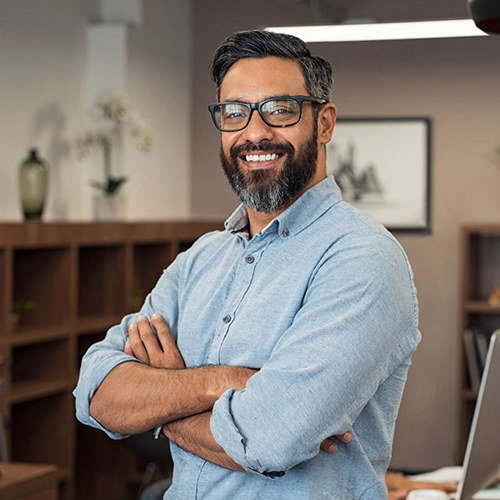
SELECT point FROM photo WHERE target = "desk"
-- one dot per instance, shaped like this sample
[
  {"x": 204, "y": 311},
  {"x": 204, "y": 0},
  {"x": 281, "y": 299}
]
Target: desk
[{"x": 28, "y": 481}]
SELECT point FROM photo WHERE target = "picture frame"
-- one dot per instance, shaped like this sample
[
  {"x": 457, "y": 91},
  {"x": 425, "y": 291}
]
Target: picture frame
[{"x": 382, "y": 166}]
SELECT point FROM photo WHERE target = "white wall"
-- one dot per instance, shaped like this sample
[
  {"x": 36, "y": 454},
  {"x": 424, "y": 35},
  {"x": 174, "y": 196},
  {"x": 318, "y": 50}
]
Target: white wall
[{"x": 42, "y": 103}]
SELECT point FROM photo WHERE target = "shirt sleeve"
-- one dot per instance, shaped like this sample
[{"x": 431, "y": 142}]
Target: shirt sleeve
[
  {"x": 356, "y": 326},
  {"x": 103, "y": 356}
]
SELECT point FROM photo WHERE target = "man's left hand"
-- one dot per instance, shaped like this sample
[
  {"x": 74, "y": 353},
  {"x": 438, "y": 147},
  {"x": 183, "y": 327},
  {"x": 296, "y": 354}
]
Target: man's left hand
[{"x": 158, "y": 350}]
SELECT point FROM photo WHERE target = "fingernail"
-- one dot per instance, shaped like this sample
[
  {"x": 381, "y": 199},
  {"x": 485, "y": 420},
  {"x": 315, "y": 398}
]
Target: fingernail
[
  {"x": 155, "y": 316},
  {"x": 347, "y": 436},
  {"x": 333, "y": 447}
]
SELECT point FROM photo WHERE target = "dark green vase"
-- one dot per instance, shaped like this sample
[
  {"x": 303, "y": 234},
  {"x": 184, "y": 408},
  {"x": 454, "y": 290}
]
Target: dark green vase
[{"x": 33, "y": 177}]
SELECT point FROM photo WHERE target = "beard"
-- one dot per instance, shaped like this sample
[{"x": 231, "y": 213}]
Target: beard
[{"x": 265, "y": 190}]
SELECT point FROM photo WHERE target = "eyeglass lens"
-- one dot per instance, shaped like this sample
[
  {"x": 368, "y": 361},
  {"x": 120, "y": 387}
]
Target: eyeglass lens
[{"x": 275, "y": 112}]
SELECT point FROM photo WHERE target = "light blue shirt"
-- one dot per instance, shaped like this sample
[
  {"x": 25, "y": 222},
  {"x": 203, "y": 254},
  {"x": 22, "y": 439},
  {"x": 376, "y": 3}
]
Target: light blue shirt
[{"x": 322, "y": 302}]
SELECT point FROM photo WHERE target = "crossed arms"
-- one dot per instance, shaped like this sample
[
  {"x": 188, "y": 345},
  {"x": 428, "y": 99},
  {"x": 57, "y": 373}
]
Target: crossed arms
[
  {"x": 136, "y": 397},
  {"x": 314, "y": 381}
]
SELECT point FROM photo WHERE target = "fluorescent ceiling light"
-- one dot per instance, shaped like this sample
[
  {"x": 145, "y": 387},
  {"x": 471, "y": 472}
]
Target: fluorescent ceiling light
[{"x": 383, "y": 31}]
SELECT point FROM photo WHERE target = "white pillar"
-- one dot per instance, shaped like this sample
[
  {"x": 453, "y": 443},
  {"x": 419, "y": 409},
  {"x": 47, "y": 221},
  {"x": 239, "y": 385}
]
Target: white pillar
[{"x": 107, "y": 71}]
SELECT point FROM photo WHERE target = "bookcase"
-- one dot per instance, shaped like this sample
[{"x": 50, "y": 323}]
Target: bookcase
[
  {"x": 480, "y": 264},
  {"x": 62, "y": 285}
]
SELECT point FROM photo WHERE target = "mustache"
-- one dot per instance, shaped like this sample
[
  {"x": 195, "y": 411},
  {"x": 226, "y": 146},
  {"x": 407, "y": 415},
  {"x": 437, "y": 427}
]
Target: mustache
[{"x": 276, "y": 147}]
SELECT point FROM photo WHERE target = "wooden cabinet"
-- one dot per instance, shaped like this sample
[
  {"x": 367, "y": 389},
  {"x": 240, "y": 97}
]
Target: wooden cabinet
[
  {"x": 480, "y": 249},
  {"x": 68, "y": 283},
  {"x": 28, "y": 482}
]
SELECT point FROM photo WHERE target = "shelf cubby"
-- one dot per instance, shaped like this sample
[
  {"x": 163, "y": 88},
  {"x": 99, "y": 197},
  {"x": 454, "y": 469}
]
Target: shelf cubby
[
  {"x": 43, "y": 277},
  {"x": 484, "y": 249},
  {"x": 39, "y": 369},
  {"x": 149, "y": 262},
  {"x": 41, "y": 431},
  {"x": 101, "y": 289}
]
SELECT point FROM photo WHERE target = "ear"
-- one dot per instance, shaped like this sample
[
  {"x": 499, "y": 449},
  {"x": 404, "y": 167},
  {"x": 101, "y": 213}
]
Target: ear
[{"x": 326, "y": 123}]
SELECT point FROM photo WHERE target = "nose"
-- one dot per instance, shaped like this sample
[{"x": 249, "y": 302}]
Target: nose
[{"x": 257, "y": 129}]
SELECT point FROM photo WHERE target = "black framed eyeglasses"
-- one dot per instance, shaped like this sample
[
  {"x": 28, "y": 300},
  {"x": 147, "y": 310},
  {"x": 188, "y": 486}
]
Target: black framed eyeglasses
[{"x": 282, "y": 111}]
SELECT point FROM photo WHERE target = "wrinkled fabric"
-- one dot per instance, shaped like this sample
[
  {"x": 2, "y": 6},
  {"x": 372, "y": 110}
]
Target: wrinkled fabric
[{"x": 322, "y": 303}]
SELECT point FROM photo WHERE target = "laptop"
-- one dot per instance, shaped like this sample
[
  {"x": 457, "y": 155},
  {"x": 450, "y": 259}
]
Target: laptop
[
  {"x": 481, "y": 465},
  {"x": 482, "y": 456}
]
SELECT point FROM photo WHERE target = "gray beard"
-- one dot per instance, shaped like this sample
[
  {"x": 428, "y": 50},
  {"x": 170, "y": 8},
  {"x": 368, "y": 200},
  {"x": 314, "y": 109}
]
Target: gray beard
[{"x": 261, "y": 190}]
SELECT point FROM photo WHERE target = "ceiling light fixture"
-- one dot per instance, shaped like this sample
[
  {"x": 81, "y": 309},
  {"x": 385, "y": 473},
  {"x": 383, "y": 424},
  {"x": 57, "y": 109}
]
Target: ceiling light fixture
[
  {"x": 486, "y": 14},
  {"x": 383, "y": 31}
]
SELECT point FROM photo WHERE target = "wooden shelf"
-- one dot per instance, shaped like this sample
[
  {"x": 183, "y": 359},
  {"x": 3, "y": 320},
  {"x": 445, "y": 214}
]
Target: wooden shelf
[
  {"x": 39, "y": 335},
  {"x": 480, "y": 307},
  {"x": 88, "y": 325},
  {"x": 28, "y": 481},
  {"x": 480, "y": 269},
  {"x": 83, "y": 277},
  {"x": 22, "y": 392}
]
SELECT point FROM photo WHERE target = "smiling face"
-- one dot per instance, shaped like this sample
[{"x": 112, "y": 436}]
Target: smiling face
[{"x": 269, "y": 167}]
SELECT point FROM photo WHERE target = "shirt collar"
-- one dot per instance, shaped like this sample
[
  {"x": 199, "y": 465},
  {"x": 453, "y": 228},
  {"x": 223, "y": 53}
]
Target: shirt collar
[{"x": 305, "y": 210}]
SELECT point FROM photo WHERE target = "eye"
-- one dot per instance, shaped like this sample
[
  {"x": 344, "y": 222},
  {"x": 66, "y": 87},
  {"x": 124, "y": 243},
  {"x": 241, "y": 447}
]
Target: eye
[
  {"x": 233, "y": 111},
  {"x": 281, "y": 109}
]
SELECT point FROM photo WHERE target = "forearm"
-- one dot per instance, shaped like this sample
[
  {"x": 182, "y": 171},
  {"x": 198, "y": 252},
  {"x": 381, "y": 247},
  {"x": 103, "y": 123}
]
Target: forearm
[
  {"x": 194, "y": 435},
  {"x": 134, "y": 397}
]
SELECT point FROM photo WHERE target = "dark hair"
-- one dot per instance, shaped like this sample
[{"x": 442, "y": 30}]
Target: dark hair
[{"x": 258, "y": 43}]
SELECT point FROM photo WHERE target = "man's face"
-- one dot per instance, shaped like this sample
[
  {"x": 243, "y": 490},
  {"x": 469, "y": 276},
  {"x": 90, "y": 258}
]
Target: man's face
[{"x": 269, "y": 167}]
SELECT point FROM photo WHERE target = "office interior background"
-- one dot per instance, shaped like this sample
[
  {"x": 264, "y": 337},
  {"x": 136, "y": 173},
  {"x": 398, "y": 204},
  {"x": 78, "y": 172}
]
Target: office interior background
[{"x": 454, "y": 82}]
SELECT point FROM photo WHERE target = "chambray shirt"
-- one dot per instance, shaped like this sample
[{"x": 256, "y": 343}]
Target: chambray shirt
[{"x": 322, "y": 302}]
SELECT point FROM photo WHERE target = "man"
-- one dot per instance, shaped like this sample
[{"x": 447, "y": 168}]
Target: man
[{"x": 293, "y": 325}]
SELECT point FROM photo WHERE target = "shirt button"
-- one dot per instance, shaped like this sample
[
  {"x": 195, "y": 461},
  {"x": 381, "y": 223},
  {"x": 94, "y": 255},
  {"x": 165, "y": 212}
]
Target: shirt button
[
  {"x": 249, "y": 259},
  {"x": 226, "y": 318},
  {"x": 285, "y": 233}
]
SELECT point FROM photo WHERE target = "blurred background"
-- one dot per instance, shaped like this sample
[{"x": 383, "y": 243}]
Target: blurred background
[{"x": 48, "y": 83}]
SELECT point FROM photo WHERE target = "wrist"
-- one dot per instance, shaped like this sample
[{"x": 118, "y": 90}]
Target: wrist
[{"x": 227, "y": 377}]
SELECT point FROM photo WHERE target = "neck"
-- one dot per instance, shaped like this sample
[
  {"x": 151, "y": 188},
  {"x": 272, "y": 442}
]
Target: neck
[{"x": 259, "y": 220}]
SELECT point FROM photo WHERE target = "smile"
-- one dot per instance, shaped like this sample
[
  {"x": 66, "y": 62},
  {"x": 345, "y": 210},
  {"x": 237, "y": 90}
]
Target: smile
[{"x": 260, "y": 158}]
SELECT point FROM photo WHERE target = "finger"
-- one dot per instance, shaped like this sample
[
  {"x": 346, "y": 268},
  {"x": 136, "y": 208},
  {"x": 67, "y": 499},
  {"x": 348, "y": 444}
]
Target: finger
[
  {"x": 163, "y": 331},
  {"x": 345, "y": 438},
  {"x": 329, "y": 445},
  {"x": 148, "y": 336},
  {"x": 398, "y": 494},
  {"x": 127, "y": 349},
  {"x": 136, "y": 344},
  {"x": 172, "y": 354}
]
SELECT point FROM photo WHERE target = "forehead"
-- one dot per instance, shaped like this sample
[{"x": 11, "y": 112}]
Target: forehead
[{"x": 253, "y": 79}]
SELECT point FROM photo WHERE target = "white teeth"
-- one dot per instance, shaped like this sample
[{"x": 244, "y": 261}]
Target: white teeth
[{"x": 268, "y": 157}]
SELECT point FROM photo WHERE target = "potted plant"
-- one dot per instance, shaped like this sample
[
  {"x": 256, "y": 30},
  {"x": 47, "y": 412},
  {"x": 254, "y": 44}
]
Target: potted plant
[
  {"x": 113, "y": 117},
  {"x": 19, "y": 308}
]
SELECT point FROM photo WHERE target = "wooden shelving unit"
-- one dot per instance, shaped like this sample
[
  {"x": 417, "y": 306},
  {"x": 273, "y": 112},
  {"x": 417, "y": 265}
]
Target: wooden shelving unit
[
  {"x": 480, "y": 252},
  {"x": 83, "y": 277}
]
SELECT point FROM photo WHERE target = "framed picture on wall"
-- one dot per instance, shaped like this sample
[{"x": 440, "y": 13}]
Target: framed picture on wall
[{"x": 382, "y": 166}]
